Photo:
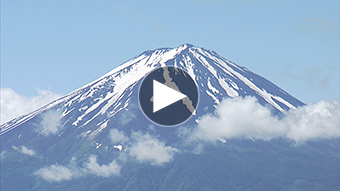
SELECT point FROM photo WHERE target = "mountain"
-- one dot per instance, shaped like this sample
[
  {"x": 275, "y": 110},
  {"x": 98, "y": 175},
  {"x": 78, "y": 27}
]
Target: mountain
[
  {"x": 216, "y": 77},
  {"x": 94, "y": 138}
]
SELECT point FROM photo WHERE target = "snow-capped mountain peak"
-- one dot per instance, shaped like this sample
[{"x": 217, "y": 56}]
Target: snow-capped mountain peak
[{"x": 216, "y": 77}]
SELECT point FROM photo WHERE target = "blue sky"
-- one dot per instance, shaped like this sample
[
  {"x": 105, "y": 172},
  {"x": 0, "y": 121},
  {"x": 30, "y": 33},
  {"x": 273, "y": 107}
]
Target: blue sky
[{"x": 63, "y": 45}]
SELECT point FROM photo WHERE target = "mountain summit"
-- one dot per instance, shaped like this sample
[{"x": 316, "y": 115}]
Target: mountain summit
[
  {"x": 216, "y": 77},
  {"x": 97, "y": 138}
]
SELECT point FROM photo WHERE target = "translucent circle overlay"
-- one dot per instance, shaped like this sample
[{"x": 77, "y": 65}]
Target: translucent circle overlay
[{"x": 178, "y": 80}]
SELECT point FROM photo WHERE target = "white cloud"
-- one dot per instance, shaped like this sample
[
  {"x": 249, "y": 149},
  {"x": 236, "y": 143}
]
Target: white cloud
[
  {"x": 24, "y": 150},
  {"x": 117, "y": 136},
  {"x": 142, "y": 147},
  {"x": 50, "y": 123},
  {"x": 126, "y": 117},
  {"x": 93, "y": 167},
  {"x": 319, "y": 120},
  {"x": 239, "y": 117},
  {"x": 57, "y": 173},
  {"x": 245, "y": 117},
  {"x": 150, "y": 149},
  {"x": 14, "y": 105}
]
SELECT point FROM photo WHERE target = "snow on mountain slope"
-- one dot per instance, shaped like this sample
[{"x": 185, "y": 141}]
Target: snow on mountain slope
[
  {"x": 97, "y": 137},
  {"x": 95, "y": 103}
]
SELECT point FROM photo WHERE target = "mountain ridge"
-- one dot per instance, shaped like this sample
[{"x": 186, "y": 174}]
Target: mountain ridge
[
  {"x": 173, "y": 57},
  {"x": 97, "y": 137}
]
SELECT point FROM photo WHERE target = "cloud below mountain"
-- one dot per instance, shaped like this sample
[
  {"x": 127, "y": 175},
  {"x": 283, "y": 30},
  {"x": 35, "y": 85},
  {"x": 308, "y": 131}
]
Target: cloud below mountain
[
  {"x": 57, "y": 173},
  {"x": 14, "y": 104},
  {"x": 93, "y": 167},
  {"x": 24, "y": 150},
  {"x": 117, "y": 136},
  {"x": 150, "y": 149},
  {"x": 144, "y": 147},
  {"x": 245, "y": 117}
]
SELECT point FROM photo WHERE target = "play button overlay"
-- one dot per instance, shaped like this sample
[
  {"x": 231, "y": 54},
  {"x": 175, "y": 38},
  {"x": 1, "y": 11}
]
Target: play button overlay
[
  {"x": 164, "y": 96},
  {"x": 168, "y": 96}
]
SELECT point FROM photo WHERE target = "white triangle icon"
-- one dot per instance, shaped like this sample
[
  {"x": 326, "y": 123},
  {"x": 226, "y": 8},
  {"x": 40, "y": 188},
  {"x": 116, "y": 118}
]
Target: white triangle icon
[{"x": 164, "y": 96}]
